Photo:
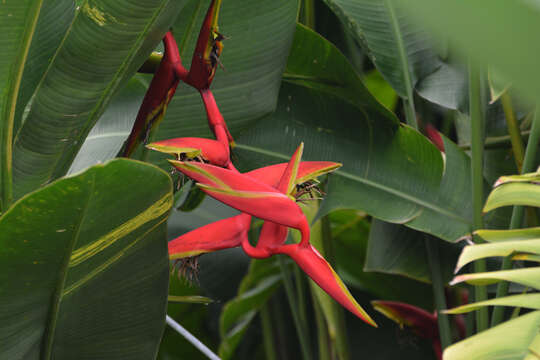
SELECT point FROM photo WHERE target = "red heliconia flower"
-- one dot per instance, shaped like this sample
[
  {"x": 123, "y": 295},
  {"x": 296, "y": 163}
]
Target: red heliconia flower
[
  {"x": 434, "y": 136},
  {"x": 423, "y": 323},
  {"x": 157, "y": 97},
  {"x": 207, "y": 50},
  {"x": 277, "y": 205}
]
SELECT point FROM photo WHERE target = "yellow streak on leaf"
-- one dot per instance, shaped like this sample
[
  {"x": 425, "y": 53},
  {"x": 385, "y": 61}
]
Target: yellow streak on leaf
[{"x": 156, "y": 210}]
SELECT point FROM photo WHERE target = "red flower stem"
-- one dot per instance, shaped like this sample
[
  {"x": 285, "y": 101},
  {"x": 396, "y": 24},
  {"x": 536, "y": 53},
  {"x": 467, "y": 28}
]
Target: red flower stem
[{"x": 215, "y": 119}]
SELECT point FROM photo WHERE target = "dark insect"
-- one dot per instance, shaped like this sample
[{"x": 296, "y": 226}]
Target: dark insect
[
  {"x": 217, "y": 48},
  {"x": 310, "y": 187},
  {"x": 187, "y": 268}
]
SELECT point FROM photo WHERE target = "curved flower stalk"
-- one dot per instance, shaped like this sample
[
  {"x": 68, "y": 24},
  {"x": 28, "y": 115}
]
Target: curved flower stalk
[{"x": 157, "y": 98}]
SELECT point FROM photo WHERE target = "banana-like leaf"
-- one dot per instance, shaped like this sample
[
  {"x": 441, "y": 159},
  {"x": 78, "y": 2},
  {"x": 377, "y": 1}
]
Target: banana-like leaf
[
  {"x": 19, "y": 19},
  {"x": 398, "y": 49},
  {"x": 86, "y": 258},
  {"x": 529, "y": 301},
  {"x": 513, "y": 193},
  {"x": 80, "y": 81},
  {"x": 396, "y": 249},
  {"x": 479, "y": 251},
  {"x": 447, "y": 86},
  {"x": 509, "y": 235},
  {"x": 262, "y": 279},
  {"x": 516, "y": 339},
  {"x": 527, "y": 276}
]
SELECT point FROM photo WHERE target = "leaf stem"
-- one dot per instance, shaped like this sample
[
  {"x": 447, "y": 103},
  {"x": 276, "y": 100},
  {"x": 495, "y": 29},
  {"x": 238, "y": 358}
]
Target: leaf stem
[
  {"x": 445, "y": 334},
  {"x": 289, "y": 290},
  {"x": 307, "y": 14},
  {"x": 518, "y": 211},
  {"x": 300, "y": 295},
  {"x": 410, "y": 112},
  {"x": 477, "y": 166},
  {"x": 268, "y": 333}
]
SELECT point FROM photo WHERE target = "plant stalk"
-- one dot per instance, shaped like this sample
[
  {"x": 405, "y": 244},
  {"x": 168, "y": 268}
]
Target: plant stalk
[
  {"x": 339, "y": 339},
  {"x": 477, "y": 166},
  {"x": 438, "y": 292},
  {"x": 517, "y": 212},
  {"x": 308, "y": 14},
  {"x": 322, "y": 330},
  {"x": 268, "y": 333},
  {"x": 410, "y": 112},
  {"x": 301, "y": 296},
  {"x": 289, "y": 290},
  {"x": 513, "y": 130}
]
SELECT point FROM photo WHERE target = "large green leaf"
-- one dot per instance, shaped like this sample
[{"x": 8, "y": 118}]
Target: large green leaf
[
  {"x": 493, "y": 39},
  {"x": 53, "y": 23},
  {"x": 447, "y": 86},
  {"x": 395, "y": 249},
  {"x": 84, "y": 266},
  {"x": 399, "y": 50},
  {"x": 81, "y": 79},
  {"x": 19, "y": 19},
  {"x": 517, "y": 339},
  {"x": 262, "y": 279},
  {"x": 530, "y": 301}
]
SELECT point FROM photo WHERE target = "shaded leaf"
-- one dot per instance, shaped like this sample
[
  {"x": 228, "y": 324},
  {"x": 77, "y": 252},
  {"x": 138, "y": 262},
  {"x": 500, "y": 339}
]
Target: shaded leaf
[
  {"x": 395, "y": 249},
  {"x": 262, "y": 279}
]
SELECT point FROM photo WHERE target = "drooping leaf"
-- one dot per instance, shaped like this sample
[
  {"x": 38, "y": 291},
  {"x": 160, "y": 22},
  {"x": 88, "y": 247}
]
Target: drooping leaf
[
  {"x": 509, "y": 235},
  {"x": 526, "y": 276},
  {"x": 516, "y": 339},
  {"x": 395, "y": 249},
  {"x": 81, "y": 80},
  {"x": 86, "y": 258},
  {"x": 262, "y": 279},
  {"x": 530, "y": 301},
  {"x": 513, "y": 193},
  {"x": 505, "y": 248},
  {"x": 481, "y": 38},
  {"x": 399, "y": 50},
  {"x": 447, "y": 86}
]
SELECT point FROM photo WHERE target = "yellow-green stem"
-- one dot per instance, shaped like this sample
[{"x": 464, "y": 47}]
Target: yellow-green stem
[
  {"x": 322, "y": 330},
  {"x": 289, "y": 290},
  {"x": 440, "y": 300},
  {"x": 513, "y": 130},
  {"x": 268, "y": 333},
  {"x": 476, "y": 113}
]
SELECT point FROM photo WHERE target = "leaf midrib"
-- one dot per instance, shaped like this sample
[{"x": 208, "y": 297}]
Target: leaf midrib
[
  {"x": 7, "y": 131},
  {"x": 367, "y": 182},
  {"x": 58, "y": 294}
]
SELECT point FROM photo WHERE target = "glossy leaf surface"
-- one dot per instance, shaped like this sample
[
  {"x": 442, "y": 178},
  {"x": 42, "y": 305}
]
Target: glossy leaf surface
[
  {"x": 80, "y": 81},
  {"x": 79, "y": 265}
]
